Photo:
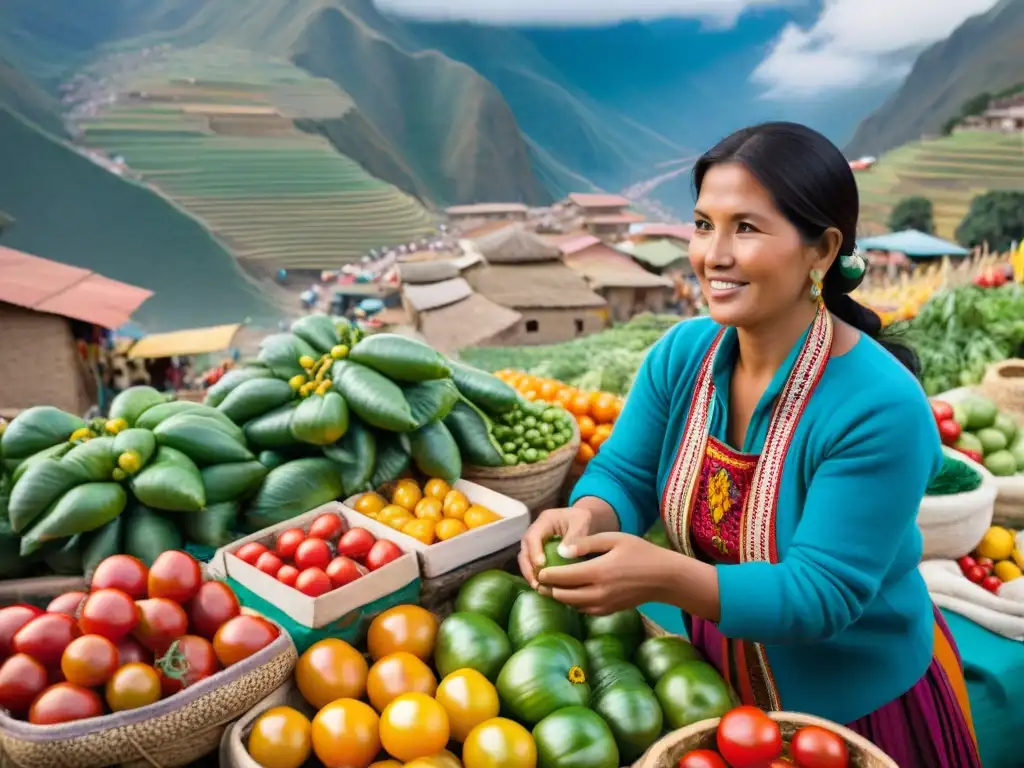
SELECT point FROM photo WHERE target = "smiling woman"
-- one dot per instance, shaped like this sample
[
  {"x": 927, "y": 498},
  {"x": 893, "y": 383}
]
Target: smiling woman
[{"x": 786, "y": 452}]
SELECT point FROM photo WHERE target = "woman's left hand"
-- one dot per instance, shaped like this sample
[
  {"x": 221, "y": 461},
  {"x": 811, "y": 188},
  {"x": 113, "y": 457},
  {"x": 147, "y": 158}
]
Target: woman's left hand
[{"x": 628, "y": 572}]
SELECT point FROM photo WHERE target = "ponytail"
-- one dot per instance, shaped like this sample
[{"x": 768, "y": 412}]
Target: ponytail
[{"x": 869, "y": 323}]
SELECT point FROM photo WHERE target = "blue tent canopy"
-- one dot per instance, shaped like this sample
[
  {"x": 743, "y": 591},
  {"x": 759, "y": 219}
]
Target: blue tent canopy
[
  {"x": 916, "y": 245},
  {"x": 370, "y": 306}
]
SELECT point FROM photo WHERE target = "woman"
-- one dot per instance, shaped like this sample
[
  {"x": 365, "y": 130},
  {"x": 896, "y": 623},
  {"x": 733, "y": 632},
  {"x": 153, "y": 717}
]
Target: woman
[{"x": 786, "y": 449}]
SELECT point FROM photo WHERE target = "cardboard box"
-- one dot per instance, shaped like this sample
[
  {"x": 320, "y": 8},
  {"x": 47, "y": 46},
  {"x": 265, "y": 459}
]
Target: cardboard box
[
  {"x": 318, "y": 612},
  {"x": 445, "y": 556}
]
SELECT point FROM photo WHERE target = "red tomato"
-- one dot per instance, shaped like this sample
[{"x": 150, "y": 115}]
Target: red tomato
[
  {"x": 124, "y": 572},
  {"x": 312, "y": 553},
  {"x": 161, "y": 622},
  {"x": 13, "y": 618},
  {"x": 941, "y": 410},
  {"x": 22, "y": 678},
  {"x": 188, "y": 660},
  {"x": 250, "y": 552},
  {"x": 313, "y": 582},
  {"x": 288, "y": 541},
  {"x": 214, "y": 603},
  {"x": 269, "y": 563},
  {"x": 175, "y": 575},
  {"x": 987, "y": 564},
  {"x": 344, "y": 570},
  {"x": 131, "y": 651},
  {"x": 67, "y": 603},
  {"x": 356, "y": 543},
  {"x": 288, "y": 575},
  {"x": 109, "y": 612},
  {"x": 966, "y": 563},
  {"x": 382, "y": 553},
  {"x": 45, "y": 637},
  {"x": 975, "y": 573},
  {"x": 974, "y": 456},
  {"x": 748, "y": 738},
  {"x": 64, "y": 702},
  {"x": 241, "y": 637},
  {"x": 701, "y": 758},
  {"x": 326, "y": 527},
  {"x": 814, "y": 747},
  {"x": 780, "y": 764},
  {"x": 992, "y": 583},
  {"x": 949, "y": 431},
  {"x": 89, "y": 661}
]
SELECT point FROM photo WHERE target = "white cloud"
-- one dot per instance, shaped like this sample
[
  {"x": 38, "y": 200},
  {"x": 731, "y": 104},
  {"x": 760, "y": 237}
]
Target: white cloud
[
  {"x": 576, "y": 12},
  {"x": 858, "y": 42}
]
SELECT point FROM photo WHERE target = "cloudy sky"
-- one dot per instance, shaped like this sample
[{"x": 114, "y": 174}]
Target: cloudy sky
[{"x": 851, "y": 43}]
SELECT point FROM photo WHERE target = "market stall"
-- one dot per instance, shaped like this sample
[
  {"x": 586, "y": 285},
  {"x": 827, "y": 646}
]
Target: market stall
[{"x": 171, "y": 358}]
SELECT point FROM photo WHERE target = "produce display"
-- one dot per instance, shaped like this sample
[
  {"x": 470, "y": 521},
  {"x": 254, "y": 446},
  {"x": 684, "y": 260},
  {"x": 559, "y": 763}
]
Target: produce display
[
  {"x": 995, "y": 561},
  {"x": 975, "y": 427},
  {"x": 431, "y": 512},
  {"x": 140, "y": 635},
  {"x": 595, "y": 412},
  {"x": 954, "y": 476},
  {"x": 511, "y": 679},
  {"x": 747, "y": 738},
  {"x": 327, "y": 556},
  {"x": 605, "y": 361}
]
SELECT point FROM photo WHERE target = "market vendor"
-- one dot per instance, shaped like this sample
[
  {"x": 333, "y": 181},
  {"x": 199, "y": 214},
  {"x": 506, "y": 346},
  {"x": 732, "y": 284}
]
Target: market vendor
[{"x": 786, "y": 447}]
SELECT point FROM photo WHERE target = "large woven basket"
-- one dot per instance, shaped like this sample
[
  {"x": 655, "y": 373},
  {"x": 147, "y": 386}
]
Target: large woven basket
[
  {"x": 952, "y": 525},
  {"x": 538, "y": 486},
  {"x": 666, "y": 753},
  {"x": 1004, "y": 385},
  {"x": 170, "y": 733}
]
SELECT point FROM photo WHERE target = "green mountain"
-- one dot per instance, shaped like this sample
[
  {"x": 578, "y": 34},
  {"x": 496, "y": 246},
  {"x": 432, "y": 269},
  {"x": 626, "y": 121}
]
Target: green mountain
[{"x": 985, "y": 54}]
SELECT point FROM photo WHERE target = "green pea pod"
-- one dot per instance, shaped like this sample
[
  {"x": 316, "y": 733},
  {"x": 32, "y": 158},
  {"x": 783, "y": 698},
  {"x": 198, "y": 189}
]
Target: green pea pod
[
  {"x": 214, "y": 526},
  {"x": 272, "y": 431},
  {"x": 483, "y": 389},
  {"x": 226, "y": 384},
  {"x": 36, "y": 429},
  {"x": 82, "y": 509},
  {"x": 170, "y": 482},
  {"x": 400, "y": 358},
  {"x": 254, "y": 398},
  {"x": 101, "y": 544},
  {"x": 356, "y": 455},
  {"x": 393, "y": 458},
  {"x": 292, "y": 489},
  {"x": 134, "y": 401},
  {"x": 374, "y": 398},
  {"x": 138, "y": 441},
  {"x": 436, "y": 453},
  {"x": 148, "y": 534},
  {"x": 200, "y": 440},
  {"x": 95, "y": 459},
  {"x": 320, "y": 419},
  {"x": 158, "y": 414},
  {"x": 431, "y": 400},
  {"x": 319, "y": 331},
  {"x": 280, "y": 352},
  {"x": 272, "y": 459},
  {"x": 53, "y": 452},
  {"x": 42, "y": 484},
  {"x": 472, "y": 431},
  {"x": 231, "y": 481}
]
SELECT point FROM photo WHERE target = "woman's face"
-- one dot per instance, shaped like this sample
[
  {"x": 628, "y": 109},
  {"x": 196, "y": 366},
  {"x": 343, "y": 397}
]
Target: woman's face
[{"x": 752, "y": 264}]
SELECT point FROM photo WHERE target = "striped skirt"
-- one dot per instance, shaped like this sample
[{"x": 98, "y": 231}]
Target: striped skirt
[{"x": 929, "y": 726}]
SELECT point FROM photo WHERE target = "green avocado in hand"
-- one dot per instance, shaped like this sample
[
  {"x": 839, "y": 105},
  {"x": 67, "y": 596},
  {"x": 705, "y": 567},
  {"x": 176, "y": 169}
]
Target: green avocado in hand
[{"x": 552, "y": 558}]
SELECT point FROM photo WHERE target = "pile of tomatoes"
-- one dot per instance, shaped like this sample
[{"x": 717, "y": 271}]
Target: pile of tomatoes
[
  {"x": 140, "y": 634},
  {"x": 748, "y": 738},
  {"x": 313, "y": 562},
  {"x": 391, "y": 712}
]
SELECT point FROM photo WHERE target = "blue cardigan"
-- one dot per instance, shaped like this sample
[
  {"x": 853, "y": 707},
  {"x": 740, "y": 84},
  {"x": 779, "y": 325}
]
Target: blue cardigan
[{"x": 845, "y": 617}]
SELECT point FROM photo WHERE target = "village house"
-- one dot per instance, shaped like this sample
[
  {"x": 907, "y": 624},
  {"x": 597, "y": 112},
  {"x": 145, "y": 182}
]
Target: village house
[
  {"x": 1004, "y": 115},
  {"x": 627, "y": 287},
  {"x": 605, "y": 216},
  {"x": 679, "y": 234},
  {"x": 663, "y": 257},
  {"x": 524, "y": 273},
  {"x": 461, "y": 214}
]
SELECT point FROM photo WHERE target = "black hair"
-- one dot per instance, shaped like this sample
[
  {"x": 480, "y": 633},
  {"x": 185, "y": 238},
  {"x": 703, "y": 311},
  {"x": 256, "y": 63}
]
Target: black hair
[{"x": 813, "y": 186}]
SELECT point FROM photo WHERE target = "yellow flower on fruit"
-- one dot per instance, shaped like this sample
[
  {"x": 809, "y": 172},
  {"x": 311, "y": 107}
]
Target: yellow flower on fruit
[
  {"x": 719, "y": 495},
  {"x": 576, "y": 675}
]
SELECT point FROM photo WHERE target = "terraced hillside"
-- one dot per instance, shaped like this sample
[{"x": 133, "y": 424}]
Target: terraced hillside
[
  {"x": 214, "y": 130},
  {"x": 949, "y": 171}
]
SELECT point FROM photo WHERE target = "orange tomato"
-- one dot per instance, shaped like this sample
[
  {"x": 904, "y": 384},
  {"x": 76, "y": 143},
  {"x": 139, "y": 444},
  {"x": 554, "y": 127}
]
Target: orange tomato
[
  {"x": 346, "y": 734},
  {"x": 619, "y": 402},
  {"x": 602, "y": 433},
  {"x": 449, "y": 528},
  {"x": 587, "y": 427},
  {"x": 331, "y": 669},
  {"x": 585, "y": 453},
  {"x": 530, "y": 394},
  {"x": 406, "y": 628},
  {"x": 280, "y": 738},
  {"x": 395, "y": 674},
  {"x": 429, "y": 508},
  {"x": 407, "y": 494},
  {"x": 386, "y": 764},
  {"x": 499, "y": 742},
  {"x": 477, "y": 516},
  {"x": 398, "y": 522},
  {"x": 565, "y": 396},
  {"x": 413, "y": 725},
  {"x": 548, "y": 389},
  {"x": 436, "y": 488},
  {"x": 603, "y": 409},
  {"x": 392, "y": 511},
  {"x": 455, "y": 505},
  {"x": 469, "y": 698},
  {"x": 370, "y": 503},
  {"x": 580, "y": 405},
  {"x": 525, "y": 383},
  {"x": 444, "y": 760},
  {"x": 421, "y": 530}
]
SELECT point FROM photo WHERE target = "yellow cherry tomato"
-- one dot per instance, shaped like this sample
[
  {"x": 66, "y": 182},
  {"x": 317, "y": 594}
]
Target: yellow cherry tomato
[
  {"x": 499, "y": 743},
  {"x": 449, "y": 528},
  {"x": 429, "y": 508},
  {"x": 397, "y": 674},
  {"x": 469, "y": 698},
  {"x": 436, "y": 488},
  {"x": 346, "y": 733},
  {"x": 421, "y": 530},
  {"x": 413, "y": 725},
  {"x": 281, "y": 738},
  {"x": 398, "y": 522},
  {"x": 455, "y": 505},
  {"x": 407, "y": 628},
  {"x": 477, "y": 516},
  {"x": 406, "y": 494},
  {"x": 392, "y": 510},
  {"x": 370, "y": 503}
]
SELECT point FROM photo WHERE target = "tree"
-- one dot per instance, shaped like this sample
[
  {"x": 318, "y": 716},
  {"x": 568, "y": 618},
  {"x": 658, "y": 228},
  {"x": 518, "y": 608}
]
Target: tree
[
  {"x": 6, "y": 221},
  {"x": 996, "y": 218},
  {"x": 913, "y": 213}
]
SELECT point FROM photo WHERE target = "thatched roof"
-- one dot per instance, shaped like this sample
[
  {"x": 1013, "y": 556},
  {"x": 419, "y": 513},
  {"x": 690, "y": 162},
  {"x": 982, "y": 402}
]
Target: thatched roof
[
  {"x": 465, "y": 323},
  {"x": 516, "y": 245},
  {"x": 604, "y": 267},
  {"x": 434, "y": 295},
  {"x": 549, "y": 285},
  {"x": 422, "y": 272}
]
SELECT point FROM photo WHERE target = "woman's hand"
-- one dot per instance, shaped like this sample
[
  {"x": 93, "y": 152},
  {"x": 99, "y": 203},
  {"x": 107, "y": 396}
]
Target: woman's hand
[{"x": 571, "y": 523}]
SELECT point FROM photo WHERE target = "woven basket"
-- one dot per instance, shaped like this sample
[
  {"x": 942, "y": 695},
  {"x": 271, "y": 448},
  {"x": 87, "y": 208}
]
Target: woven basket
[
  {"x": 538, "y": 486},
  {"x": 1010, "y": 502},
  {"x": 173, "y": 732},
  {"x": 953, "y": 525},
  {"x": 1004, "y": 385},
  {"x": 666, "y": 753}
]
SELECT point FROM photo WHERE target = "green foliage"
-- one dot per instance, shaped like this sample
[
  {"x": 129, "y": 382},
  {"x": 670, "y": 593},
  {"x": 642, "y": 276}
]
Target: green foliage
[
  {"x": 994, "y": 217},
  {"x": 978, "y": 104},
  {"x": 912, "y": 213}
]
